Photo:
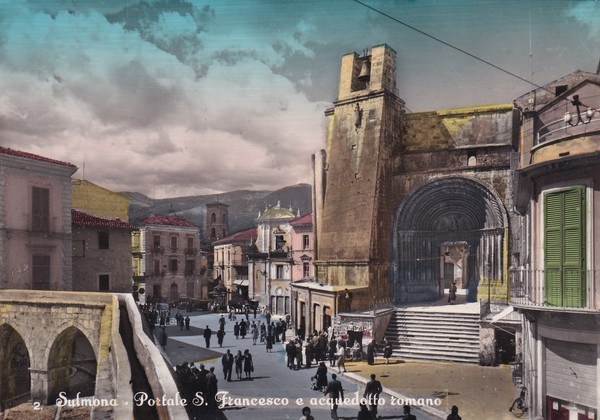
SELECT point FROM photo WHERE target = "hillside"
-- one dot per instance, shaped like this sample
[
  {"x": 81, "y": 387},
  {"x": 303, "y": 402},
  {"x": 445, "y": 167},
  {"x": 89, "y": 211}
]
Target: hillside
[{"x": 244, "y": 205}]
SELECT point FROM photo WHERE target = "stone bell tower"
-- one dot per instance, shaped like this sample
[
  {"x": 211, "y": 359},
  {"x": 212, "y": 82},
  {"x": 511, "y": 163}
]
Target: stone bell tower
[{"x": 353, "y": 176}]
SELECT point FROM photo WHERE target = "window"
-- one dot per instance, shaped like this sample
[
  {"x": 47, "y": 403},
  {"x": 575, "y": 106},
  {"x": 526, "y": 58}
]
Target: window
[
  {"x": 173, "y": 266},
  {"x": 173, "y": 243},
  {"x": 156, "y": 244},
  {"x": 40, "y": 209},
  {"x": 279, "y": 242},
  {"x": 190, "y": 267},
  {"x": 190, "y": 243},
  {"x": 305, "y": 270},
  {"x": 279, "y": 271},
  {"x": 156, "y": 267},
  {"x": 305, "y": 242},
  {"x": 103, "y": 240},
  {"x": 103, "y": 283},
  {"x": 40, "y": 272},
  {"x": 565, "y": 248}
]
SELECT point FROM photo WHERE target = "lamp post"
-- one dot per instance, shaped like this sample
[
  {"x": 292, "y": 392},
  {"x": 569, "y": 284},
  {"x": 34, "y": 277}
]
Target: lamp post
[{"x": 587, "y": 116}]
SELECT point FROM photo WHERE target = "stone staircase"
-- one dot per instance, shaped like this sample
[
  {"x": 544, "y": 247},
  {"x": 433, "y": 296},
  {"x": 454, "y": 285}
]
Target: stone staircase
[{"x": 442, "y": 334}]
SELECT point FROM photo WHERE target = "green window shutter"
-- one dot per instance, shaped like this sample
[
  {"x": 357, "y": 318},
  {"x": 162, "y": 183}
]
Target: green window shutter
[
  {"x": 553, "y": 239},
  {"x": 564, "y": 247},
  {"x": 574, "y": 248}
]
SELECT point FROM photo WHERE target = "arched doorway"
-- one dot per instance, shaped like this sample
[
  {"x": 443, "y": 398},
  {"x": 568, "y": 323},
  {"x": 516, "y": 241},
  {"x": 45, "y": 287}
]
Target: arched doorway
[
  {"x": 448, "y": 229},
  {"x": 71, "y": 366},
  {"x": 15, "y": 380}
]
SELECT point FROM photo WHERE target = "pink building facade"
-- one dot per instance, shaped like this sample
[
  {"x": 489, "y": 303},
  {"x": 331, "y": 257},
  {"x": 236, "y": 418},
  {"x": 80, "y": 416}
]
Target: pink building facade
[{"x": 35, "y": 222}]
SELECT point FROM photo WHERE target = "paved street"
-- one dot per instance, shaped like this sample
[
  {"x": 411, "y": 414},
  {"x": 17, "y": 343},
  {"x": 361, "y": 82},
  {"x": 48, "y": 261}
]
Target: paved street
[{"x": 271, "y": 377}]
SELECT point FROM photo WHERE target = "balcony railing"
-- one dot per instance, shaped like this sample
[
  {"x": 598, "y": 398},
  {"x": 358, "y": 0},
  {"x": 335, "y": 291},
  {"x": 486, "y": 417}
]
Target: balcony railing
[
  {"x": 528, "y": 288},
  {"x": 560, "y": 130},
  {"x": 191, "y": 251}
]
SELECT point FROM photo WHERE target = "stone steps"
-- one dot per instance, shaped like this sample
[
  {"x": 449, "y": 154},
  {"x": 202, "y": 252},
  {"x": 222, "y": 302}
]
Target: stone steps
[{"x": 444, "y": 336}]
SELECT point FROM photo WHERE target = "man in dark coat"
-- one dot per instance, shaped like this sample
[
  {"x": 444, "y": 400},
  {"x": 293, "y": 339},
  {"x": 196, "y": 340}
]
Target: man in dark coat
[
  {"x": 290, "y": 350},
  {"x": 220, "y": 336},
  {"x": 372, "y": 391},
  {"x": 211, "y": 388},
  {"x": 336, "y": 393},
  {"x": 371, "y": 352},
  {"x": 187, "y": 323},
  {"x": 207, "y": 334},
  {"x": 227, "y": 361}
]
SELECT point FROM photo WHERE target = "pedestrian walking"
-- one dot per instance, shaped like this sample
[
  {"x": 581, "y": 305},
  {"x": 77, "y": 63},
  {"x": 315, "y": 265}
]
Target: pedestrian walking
[
  {"x": 163, "y": 337},
  {"x": 332, "y": 349},
  {"x": 211, "y": 388},
  {"x": 290, "y": 350},
  {"x": 207, "y": 334},
  {"x": 236, "y": 330},
  {"x": 321, "y": 376},
  {"x": 454, "y": 414},
  {"x": 220, "y": 336},
  {"x": 187, "y": 323},
  {"x": 407, "y": 415},
  {"x": 227, "y": 361},
  {"x": 341, "y": 361},
  {"x": 298, "y": 354},
  {"x": 243, "y": 328},
  {"x": 248, "y": 364},
  {"x": 372, "y": 391},
  {"x": 371, "y": 352},
  {"x": 254, "y": 333},
  {"x": 387, "y": 350},
  {"x": 269, "y": 343},
  {"x": 239, "y": 364},
  {"x": 336, "y": 393},
  {"x": 363, "y": 412},
  {"x": 452, "y": 293}
]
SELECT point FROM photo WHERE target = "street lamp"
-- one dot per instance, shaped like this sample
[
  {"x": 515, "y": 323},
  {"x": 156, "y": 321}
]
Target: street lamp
[{"x": 568, "y": 118}]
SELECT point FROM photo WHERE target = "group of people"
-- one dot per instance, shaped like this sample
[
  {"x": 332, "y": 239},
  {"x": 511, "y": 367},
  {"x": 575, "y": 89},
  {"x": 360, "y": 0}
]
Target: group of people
[
  {"x": 244, "y": 366},
  {"x": 194, "y": 379}
]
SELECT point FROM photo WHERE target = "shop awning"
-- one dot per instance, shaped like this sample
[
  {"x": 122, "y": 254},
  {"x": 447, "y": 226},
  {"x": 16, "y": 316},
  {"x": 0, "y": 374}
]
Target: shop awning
[{"x": 243, "y": 283}]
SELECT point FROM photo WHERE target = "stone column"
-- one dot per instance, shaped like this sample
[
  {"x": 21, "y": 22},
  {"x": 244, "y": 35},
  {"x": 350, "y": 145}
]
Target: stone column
[{"x": 39, "y": 386}]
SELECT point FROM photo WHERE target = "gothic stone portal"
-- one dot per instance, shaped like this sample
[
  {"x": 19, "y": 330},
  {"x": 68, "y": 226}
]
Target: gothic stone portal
[{"x": 448, "y": 229}]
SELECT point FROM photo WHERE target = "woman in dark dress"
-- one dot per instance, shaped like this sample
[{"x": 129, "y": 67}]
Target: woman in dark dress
[
  {"x": 322, "y": 376},
  {"x": 248, "y": 365},
  {"x": 269, "y": 343}
]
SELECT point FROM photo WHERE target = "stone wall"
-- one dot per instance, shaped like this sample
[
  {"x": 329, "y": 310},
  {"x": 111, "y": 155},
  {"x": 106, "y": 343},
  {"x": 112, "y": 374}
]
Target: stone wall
[{"x": 42, "y": 318}]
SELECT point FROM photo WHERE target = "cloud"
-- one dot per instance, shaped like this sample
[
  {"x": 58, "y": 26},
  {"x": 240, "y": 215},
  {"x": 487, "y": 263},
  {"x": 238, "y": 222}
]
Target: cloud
[{"x": 173, "y": 97}]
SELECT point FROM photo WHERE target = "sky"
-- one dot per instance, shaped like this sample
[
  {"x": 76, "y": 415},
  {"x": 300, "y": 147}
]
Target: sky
[{"x": 174, "y": 98}]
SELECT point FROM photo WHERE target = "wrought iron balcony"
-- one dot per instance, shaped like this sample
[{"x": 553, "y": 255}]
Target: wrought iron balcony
[
  {"x": 528, "y": 288},
  {"x": 191, "y": 251}
]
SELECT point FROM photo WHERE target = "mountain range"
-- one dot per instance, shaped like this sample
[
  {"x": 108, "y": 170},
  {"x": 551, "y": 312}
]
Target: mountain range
[{"x": 244, "y": 205}]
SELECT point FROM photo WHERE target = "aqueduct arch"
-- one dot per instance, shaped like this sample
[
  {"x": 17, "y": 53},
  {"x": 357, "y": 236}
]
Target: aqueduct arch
[
  {"x": 448, "y": 229},
  {"x": 72, "y": 366},
  {"x": 15, "y": 380}
]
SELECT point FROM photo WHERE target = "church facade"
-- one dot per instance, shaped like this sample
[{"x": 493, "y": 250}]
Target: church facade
[{"x": 407, "y": 203}]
